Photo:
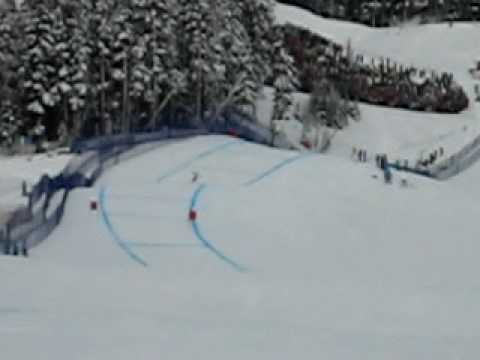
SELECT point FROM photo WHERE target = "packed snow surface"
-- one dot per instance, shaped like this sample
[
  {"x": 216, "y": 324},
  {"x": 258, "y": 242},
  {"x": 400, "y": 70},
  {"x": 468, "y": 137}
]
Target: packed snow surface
[
  {"x": 292, "y": 256},
  {"x": 399, "y": 133},
  {"x": 332, "y": 263}
]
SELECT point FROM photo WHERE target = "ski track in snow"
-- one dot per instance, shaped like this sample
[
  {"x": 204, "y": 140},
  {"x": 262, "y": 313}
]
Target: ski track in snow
[
  {"x": 203, "y": 239},
  {"x": 202, "y": 189},
  {"x": 200, "y": 156},
  {"x": 331, "y": 257},
  {"x": 126, "y": 246}
]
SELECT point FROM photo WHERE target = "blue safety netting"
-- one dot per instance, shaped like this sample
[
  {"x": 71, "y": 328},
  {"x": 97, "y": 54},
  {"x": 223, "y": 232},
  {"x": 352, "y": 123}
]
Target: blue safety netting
[{"x": 28, "y": 226}]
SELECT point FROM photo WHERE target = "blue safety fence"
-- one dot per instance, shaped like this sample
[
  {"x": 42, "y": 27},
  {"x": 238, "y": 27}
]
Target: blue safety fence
[
  {"x": 415, "y": 171},
  {"x": 28, "y": 226}
]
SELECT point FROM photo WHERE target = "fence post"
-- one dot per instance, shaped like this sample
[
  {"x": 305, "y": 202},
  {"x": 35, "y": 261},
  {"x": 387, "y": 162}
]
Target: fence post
[
  {"x": 15, "y": 249},
  {"x": 3, "y": 237},
  {"x": 6, "y": 249},
  {"x": 24, "y": 248},
  {"x": 24, "y": 188}
]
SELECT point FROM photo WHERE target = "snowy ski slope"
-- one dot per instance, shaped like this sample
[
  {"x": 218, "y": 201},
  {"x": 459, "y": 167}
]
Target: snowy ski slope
[
  {"x": 401, "y": 134},
  {"x": 16, "y": 169},
  {"x": 294, "y": 256}
]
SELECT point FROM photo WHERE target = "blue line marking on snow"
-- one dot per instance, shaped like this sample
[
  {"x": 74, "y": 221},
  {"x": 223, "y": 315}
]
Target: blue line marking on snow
[
  {"x": 276, "y": 168},
  {"x": 113, "y": 233},
  {"x": 196, "y": 196},
  {"x": 199, "y": 234},
  {"x": 202, "y": 155}
]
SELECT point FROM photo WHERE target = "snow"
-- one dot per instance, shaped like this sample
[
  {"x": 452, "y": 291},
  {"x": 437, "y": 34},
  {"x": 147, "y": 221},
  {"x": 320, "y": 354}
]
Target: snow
[
  {"x": 339, "y": 265},
  {"x": 14, "y": 170},
  {"x": 36, "y": 107},
  {"x": 403, "y": 134}
]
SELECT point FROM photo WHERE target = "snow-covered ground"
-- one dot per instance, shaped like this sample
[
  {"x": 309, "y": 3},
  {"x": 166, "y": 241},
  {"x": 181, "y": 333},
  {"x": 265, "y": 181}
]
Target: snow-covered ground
[
  {"x": 294, "y": 256},
  {"x": 14, "y": 170},
  {"x": 337, "y": 264},
  {"x": 402, "y": 134}
]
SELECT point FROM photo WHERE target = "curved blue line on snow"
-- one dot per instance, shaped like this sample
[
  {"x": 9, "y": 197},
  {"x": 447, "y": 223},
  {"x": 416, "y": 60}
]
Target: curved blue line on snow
[
  {"x": 196, "y": 196},
  {"x": 276, "y": 168},
  {"x": 199, "y": 234},
  {"x": 202, "y": 155},
  {"x": 113, "y": 233}
]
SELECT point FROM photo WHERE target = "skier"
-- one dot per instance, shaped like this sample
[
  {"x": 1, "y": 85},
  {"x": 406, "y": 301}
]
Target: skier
[
  {"x": 195, "y": 177},
  {"x": 387, "y": 174},
  {"x": 383, "y": 161}
]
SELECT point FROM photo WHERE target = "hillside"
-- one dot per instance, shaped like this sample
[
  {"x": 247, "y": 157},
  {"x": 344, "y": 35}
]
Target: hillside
[
  {"x": 390, "y": 12},
  {"x": 213, "y": 247},
  {"x": 403, "y": 134}
]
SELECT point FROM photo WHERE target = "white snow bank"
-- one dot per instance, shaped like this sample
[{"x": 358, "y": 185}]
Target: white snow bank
[
  {"x": 438, "y": 47},
  {"x": 399, "y": 133}
]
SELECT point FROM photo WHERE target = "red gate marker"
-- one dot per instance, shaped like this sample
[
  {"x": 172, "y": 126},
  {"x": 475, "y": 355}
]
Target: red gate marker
[
  {"x": 306, "y": 144},
  {"x": 233, "y": 133},
  {"x": 93, "y": 205},
  {"x": 192, "y": 215}
]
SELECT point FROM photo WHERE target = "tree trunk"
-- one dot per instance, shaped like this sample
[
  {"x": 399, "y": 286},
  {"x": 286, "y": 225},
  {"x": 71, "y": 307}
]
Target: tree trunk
[
  {"x": 159, "y": 109},
  {"x": 77, "y": 124},
  {"x": 154, "y": 87},
  {"x": 65, "y": 113},
  {"x": 230, "y": 97},
  {"x": 273, "y": 131},
  {"x": 317, "y": 135},
  {"x": 125, "y": 118},
  {"x": 107, "y": 127}
]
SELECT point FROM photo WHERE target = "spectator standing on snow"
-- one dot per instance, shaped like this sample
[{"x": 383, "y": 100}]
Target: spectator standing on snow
[
  {"x": 387, "y": 174},
  {"x": 362, "y": 155},
  {"x": 195, "y": 177},
  {"x": 383, "y": 161}
]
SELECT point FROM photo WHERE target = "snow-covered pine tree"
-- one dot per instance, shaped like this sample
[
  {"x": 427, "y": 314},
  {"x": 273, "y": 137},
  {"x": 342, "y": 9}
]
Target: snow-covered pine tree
[
  {"x": 284, "y": 82},
  {"x": 121, "y": 65},
  {"x": 140, "y": 66},
  {"x": 74, "y": 52},
  {"x": 196, "y": 55},
  {"x": 98, "y": 27},
  {"x": 41, "y": 64},
  {"x": 10, "y": 125},
  {"x": 327, "y": 108},
  {"x": 10, "y": 121},
  {"x": 317, "y": 107},
  {"x": 235, "y": 77},
  {"x": 156, "y": 76},
  {"x": 259, "y": 19}
]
